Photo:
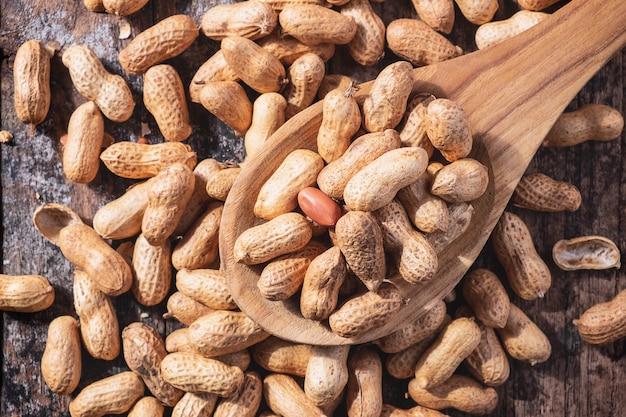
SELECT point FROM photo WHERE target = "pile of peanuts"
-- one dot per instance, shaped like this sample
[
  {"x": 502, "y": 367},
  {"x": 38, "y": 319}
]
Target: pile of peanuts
[{"x": 372, "y": 178}]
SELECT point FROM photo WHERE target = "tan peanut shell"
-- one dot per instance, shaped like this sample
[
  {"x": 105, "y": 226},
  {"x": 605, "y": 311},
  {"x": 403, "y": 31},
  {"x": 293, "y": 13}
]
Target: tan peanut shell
[
  {"x": 364, "y": 390},
  {"x": 228, "y": 101},
  {"x": 213, "y": 69},
  {"x": 459, "y": 217},
  {"x": 326, "y": 375},
  {"x": 241, "y": 359},
  {"x": 257, "y": 67},
  {"x": 284, "y": 396},
  {"x": 523, "y": 339},
  {"x": 199, "y": 246},
  {"x": 541, "y": 192},
  {"x": 123, "y": 7},
  {"x": 305, "y": 75},
  {"x": 401, "y": 365},
  {"x": 152, "y": 271},
  {"x": 586, "y": 252},
  {"x": 412, "y": 128},
  {"x": 195, "y": 404},
  {"x": 99, "y": 326},
  {"x": 604, "y": 322},
  {"x": 176, "y": 341},
  {"x": 144, "y": 349},
  {"x": 365, "y": 311},
  {"x": 164, "y": 40},
  {"x": 268, "y": 114},
  {"x": 207, "y": 286},
  {"x": 94, "y": 5},
  {"x": 140, "y": 160},
  {"x": 167, "y": 198},
  {"x": 278, "y": 5},
  {"x": 478, "y": 12},
  {"x": 527, "y": 273},
  {"x": 426, "y": 211},
  {"x": 164, "y": 97},
  {"x": 418, "y": 43},
  {"x": 536, "y": 4},
  {"x": 461, "y": 181},
  {"x": 495, "y": 32},
  {"x": 322, "y": 282},
  {"x": 218, "y": 185},
  {"x": 246, "y": 401},
  {"x": 460, "y": 392},
  {"x": 389, "y": 410},
  {"x": 109, "y": 91},
  {"x": 486, "y": 295},
  {"x": 25, "y": 293},
  {"x": 592, "y": 121},
  {"x": 147, "y": 406},
  {"x": 114, "y": 394},
  {"x": 489, "y": 362},
  {"x": 31, "y": 83},
  {"x": 192, "y": 372},
  {"x": 82, "y": 246},
  {"x": 184, "y": 308},
  {"x": 455, "y": 342},
  {"x": 287, "y": 48},
  {"x": 250, "y": 19},
  {"x": 281, "y": 356},
  {"x": 61, "y": 362},
  {"x": 313, "y": 24},
  {"x": 224, "y": 331},
  {"x": 448, "y": 129},
  {"x": 386, "y": 102},
  {"x": 360, "y": 239},
  {"x": 367, "y": 46},
  {"x": 438, "y": 14},
  {"x": 85, "y": 133},
  {"x": 333, "y": 178}
]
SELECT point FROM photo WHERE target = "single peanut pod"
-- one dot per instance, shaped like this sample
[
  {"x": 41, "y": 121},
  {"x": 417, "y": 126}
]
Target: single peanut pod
[
  {"x": 412, "y": 128},
  {"x": 192, "y": 372},
  {"x": 147, "y": 406},
  {"x": 478, "y": 12},
  {"x": 99, "y": 327},
  {"x": 228, "y": 101},
  {"x": 486, "y": 295},
  {"x": 164, "y": 97},
  {"x": 414, "y": 331},
  {"x": 282, "y": 277},
  {"x": 591, "y": 121},
  {"x": 341, "y": 120},
  {"x": 109, "y": 91},
  {"x": 438, "y": 14},
  {"x": 456, "y": 341},
  {"x": 140, "y": 160},
  {"x": 167, "y": 198},
  {"x": 184, "y": 308},
  {"x": 268, "y": 114},
  {"x": 287, "y": 48},
  {"x": 603, "y": 323},
  {"x": 418, "y": 43},
  {"x": 195, "y": 404},
  {"x": 495, "y": 32},
  {"x": 461, "y": 181},
  {"x": 152, "y": 271},
  {"x": 313, "y": 24},
  {"x": 364, "y": 390},
  {"x": 367, "y": 46},
  {"x": 335, "y": 81},
  {"x": 241, "y": 359},
  {"x": 386, "y": 103},
  {"x": 218, "y": 185},
  {"x": 250, "y": 19},
  {"x": 326, "y": 375},
  {"x": 281, "y": 356},
  {"x": 223, "y": 331},
  {"x": 61, "y": 362},
  {"x": 208, "y": 286},
  {"x": 536, "y": 4},
  {"x": 365, "y": 311},
  {"x": 415, "y": 257},
  {"x": 123, "y": 7},
  {"x": 305, "y": 75},
  {"x": 85, "y": 133},
  {"x": 318, "y": 206},
  {"x": 401, "y": 365},
  {"x": 283, "y": 234},
  {"x": 459, "y": 217},
  {"x": 586, "y": 252},
  {"x": 284, "y": 396},
  {"x": 94, "y": 5},
  {"x": 332, "y": 179},
  {"x": 256, "y": 67},
  {"x": 527, "y": 273},
  {"x": 115, "y": 394},
  {"x": 246, "y": 401},
  {"x": 31, "y": 81},
  {"x": 213, "y": 69},
  {"x": 166, "y": 39},
  {"x": 460, "y": 392},
  {"x": 176, "y": 341},
  {"x": 541, "y": 192},
  {"x": 25, "y": 293},
  {"x": 321, "y": 285},
  {"x": 360, "y": 239},
  {"x": 377, "y": 184},
  {"x": 144, "y": 350},
  {"x": 426, "y": 211},
  {"x": 83, "y": 247},
  {"x": 448, "y": 129},
  {"x": 199, "y": 246},
  {"x": 279, "y": 193},
  {"x": 523, "y": 339}
]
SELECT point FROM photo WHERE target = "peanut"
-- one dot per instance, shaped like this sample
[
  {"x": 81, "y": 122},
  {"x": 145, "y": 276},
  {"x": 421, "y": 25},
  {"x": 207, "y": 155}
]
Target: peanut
[
  {"x": 246, "y": 401},
  {"x": 486, "y": 295},
  {"x": 25, "y": 293},
  {"x": 536, "y": 4},
  {"x": 31, "y": 81},
  {"x": 199, "y": 246},
  {"x": 176, "y": 341},
  {"x": 305, "y": 75},
  {"x": 478, "y": 12},
  {"x": 147, "y": 406},
  {"x": 123, "y": 7},
  {"x": 412, "y": 127},
  {"x": 495, "y": 32},
  {"x": 313, "y": 24},
  {"x": 367, "y": 46},
  {"x": 152, "y": 271},
  {"x": 218, "y": 185},
  {"x": 586, "y": 252},
  {"x": 591, "y": 121},
  {"x": 94, "y": 5},
  {"x": 426, "y": 211},
  {"x": 228, "y": 101},
  {"x": 284, "y": 396},
  {"x": 543, "y": 193},
  {"x": 438, "y": 14},
  {"x": 251, "y": 19},
  {"x": 282, "y": 356},
  {"x": 61, "y": 362},
  {"x": 460, "y": 215},
  {"x": 268, "y": 114},
  {"x": 523, "y": 339},
  {"x": 287, "y": 48},
  {"x": 322, "y": 282},
  {"x": 213, "y": 69},
  {"x": 207, "y": 286},
  {"x": 195, "y": 404},
  {"x": 184, "y": 308},
  {"x": 461, "y": 181},
  {"x": 85, "y": 133},
  {"x": 364, "y": 390},
  {"x": 114, "y": 394},
  {"x": 604, "y": 322},
  {"x": 326, "y": 375},
  {"x": 448, "y": 129}
]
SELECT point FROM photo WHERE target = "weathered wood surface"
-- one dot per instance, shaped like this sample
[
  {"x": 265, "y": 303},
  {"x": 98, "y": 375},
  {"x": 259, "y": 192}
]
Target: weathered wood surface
[{"x": 578, "y": 380}]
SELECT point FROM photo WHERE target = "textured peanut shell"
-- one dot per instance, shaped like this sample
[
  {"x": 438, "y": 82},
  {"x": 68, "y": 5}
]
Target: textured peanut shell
[
  {"x": 147, "y": 406},
  {"x": 195, "y": 404},
  {"x": 268, "y": 114},
  {"x": 115, "y": 394},
  {"x": 305, "y": 75},
  {"x": 228, "y": 101},
  {"x": 31, "y": 81},
  {"x": 25, "y": 293},
  {"x": 412, "y": 128},
  {"x": 284, "y": 396},
  {"x": 341, "y": 120},
  {"x": 523, "y": 339},
  {"x": 461, "y": 181},
  {"x": 213, "y": 69},
  {"x": 486, "y": 295},
  {"x": 50, "y": 218},
  {"x": 123, "y": 7},
  {"x": 586, "y": 252},
  {"x": 438, "y": 14},
  {"x": 218, "y": 186},
  {"x": 367, "y": 46},
  {"x": 448, "y": 129},
  {"x": 85, "y": 133},
  {"x": 207, "y": 286},
  {"x": 460, "y": 392},
  {"x": 459, "y": 217},
  {"x": 313, "y": 24},
  {"x": 246, "y": 401},
  {"x": 287, "y": 48},
  {"x": 426, "y": 211},
  {"x": 61, "y": 362},
  {"x": 418, "y": 43},
  {"x": 536, "y": 4},
  {"x": 489, "y": 362},
  {"x": 364, "y": 390},
  {"x": 250, "y": 19},
  {"x": 603, "y": 323},
  {"x": 322, "y": 282},
  {"x": 281, "y": 356},
  {"x": 184, "y": 308},
  {"x": 152, "y": 271},
  {"x": 479, "y": 12},
  {"x": 199, "y": 246},
  {"x": 540, "y": 192},
  {"x": 495, "y": 32},
  {"x": 401, "y": 365},
  {"x": 326, "y": 375},
  {"x": 592, "y": 121}
]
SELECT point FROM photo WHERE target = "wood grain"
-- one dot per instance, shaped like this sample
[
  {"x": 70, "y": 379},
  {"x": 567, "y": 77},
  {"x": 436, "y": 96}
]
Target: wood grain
[{"x": 579, "y": 380}]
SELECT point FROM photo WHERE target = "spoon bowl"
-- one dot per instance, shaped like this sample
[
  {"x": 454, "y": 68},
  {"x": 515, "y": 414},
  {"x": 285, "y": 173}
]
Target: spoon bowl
[{"x": 512, "y": 93}]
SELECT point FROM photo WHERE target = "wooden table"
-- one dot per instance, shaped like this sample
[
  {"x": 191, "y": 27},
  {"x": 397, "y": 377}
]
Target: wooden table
[{"x": 578, "y": 380}]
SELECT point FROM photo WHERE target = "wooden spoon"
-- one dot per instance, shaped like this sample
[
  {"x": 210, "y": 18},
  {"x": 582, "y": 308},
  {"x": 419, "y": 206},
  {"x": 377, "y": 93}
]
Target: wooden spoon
[{"x": 512, "y": 92}]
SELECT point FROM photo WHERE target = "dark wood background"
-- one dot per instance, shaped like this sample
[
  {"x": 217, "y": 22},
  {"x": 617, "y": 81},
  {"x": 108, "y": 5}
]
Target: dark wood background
[{"x": 578, "y": 380}]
